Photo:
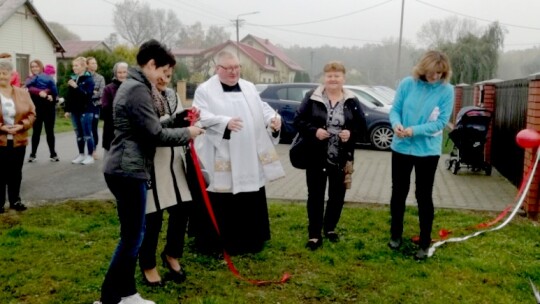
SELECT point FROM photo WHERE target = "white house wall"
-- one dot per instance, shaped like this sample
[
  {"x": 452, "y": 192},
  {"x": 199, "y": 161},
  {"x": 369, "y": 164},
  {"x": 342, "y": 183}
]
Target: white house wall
[{"x": 24, "y": 35}]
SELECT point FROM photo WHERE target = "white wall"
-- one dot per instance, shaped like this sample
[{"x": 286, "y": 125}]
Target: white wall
[{"x": 23, "y": 34}]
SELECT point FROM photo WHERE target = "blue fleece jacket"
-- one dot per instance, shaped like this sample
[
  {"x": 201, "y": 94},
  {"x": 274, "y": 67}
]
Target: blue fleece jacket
[{"x": 426, "y": 108}]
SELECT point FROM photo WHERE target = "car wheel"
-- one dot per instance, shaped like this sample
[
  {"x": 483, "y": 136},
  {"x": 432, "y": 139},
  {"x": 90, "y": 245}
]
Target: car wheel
[{"x": 381, "y": 137}]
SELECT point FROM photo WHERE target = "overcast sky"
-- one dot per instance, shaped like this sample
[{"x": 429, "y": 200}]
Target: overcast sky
[{"x": 312, "y": 22}]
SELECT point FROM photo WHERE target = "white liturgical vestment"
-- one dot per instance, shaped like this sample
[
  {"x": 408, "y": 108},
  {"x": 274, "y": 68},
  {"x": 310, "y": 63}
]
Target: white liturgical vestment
[{"x": 246, "y": 161}]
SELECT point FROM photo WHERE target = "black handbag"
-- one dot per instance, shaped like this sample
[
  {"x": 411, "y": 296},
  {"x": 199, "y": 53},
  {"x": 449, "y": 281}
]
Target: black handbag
[{"x": 298, "y": 152}]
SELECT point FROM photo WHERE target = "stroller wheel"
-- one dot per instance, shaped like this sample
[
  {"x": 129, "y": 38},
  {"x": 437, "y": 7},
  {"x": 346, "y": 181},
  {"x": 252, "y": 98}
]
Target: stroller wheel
[
  {"x": 448, "y": 164},
  {"x": 456, "y": 167},
  {"x": 488, "y": 170}
]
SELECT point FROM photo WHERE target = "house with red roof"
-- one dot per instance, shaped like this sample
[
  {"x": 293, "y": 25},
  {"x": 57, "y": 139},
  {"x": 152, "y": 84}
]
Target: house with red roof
[
  {"x": 26, "y": 36},
  {"x": 259, "y": 64},
  {"x": 75, "y": 47},
  {"x": 286, "y": 66}
]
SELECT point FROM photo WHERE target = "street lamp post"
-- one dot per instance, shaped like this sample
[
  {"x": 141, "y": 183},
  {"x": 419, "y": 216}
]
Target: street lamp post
[{"x": 237, "y": 23}]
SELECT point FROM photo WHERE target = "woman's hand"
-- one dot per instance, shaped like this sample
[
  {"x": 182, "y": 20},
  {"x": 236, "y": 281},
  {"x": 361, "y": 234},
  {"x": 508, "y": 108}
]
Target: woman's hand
[
  {"x": 344, "y": 135},
  {"x": 399, "y": 130},
  {"x": 42, "y": 94},
  {"x": 72, "y": 83},
  {"x": 67, "y": 115},
  {"x": 195, "y": 131},
  {"x": 195, "y": 113},
  {"x": 322, "y": 134},
  {"x": 11, "y": 129}
]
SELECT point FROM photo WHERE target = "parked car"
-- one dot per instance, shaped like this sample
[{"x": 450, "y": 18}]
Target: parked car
[
  {"x": 286, "y": 98},
  {"x": 370, "y": 95},
  {"x": 261, "y": 86}
]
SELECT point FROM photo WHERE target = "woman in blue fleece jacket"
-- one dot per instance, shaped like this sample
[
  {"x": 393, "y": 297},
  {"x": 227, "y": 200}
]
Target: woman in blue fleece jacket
[{"x": 422, "y": 108}]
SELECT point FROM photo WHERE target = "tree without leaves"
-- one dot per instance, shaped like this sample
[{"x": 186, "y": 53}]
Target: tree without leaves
[
  {"x": 167, "y": 26},
  {"x": 191, "y": 37},
  {"x": 61, "y": 32},
  {"x": 435, "y": 33},
  {"x": 215, "y": 35},
  {"x": 133, "y": 21}
]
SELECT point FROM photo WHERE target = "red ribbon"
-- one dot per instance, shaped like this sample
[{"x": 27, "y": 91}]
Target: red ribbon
[
  {"x": 193, "y": 117},
  {"x": 443, "y": 233}
]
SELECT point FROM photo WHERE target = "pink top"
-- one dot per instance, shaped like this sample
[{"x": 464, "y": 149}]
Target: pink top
[{"x": 15, "y": 79}]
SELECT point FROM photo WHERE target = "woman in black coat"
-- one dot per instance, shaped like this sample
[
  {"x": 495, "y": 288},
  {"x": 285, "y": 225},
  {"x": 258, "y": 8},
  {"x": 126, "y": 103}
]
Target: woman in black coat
[
  {"x": 330, "y": 120},
  {"x": 120, "y": 70}
]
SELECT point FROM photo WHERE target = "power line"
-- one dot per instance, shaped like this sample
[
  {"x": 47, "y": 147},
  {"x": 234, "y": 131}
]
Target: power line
[
  {"x": 91, "y": 25},
  {"x": 198, "y": 10},
  {"x": 317, "y": 35},
  {"x": 330, "y": 18},
  {"x": 477, "y": 18},
  {"x": 109, "y": 2}
]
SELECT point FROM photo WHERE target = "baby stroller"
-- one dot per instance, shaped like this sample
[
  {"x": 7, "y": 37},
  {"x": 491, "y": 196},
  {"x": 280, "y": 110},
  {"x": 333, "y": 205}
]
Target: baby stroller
[{"x": 469, "y": 137}]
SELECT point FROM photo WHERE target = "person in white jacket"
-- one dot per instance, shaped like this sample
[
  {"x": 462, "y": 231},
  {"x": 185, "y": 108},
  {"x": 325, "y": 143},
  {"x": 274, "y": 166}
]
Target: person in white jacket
[{"x": 238, "y": 152}]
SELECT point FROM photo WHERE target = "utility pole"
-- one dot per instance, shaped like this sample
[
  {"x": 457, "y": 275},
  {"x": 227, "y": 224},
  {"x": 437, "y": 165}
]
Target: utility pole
[
  {"x": 400, "y": 39},
  {"x": 311, "y": 68},
  {"x": 237, "y": 22}
]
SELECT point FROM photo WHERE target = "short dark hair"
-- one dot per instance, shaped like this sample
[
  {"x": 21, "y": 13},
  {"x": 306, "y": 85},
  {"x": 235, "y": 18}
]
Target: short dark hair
[{"x": 153, "y": 49}]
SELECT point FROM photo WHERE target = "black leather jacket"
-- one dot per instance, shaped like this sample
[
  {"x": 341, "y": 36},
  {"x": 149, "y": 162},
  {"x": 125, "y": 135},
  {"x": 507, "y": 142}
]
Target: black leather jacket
[
  {"x": 137, "y": 130},
  {"x": 312, "y": 115}
]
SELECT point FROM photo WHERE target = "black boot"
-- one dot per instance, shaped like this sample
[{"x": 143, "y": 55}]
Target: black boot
[{"x": 18, "y": 205}]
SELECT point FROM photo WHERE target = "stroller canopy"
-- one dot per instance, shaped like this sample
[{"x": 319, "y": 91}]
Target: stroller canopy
[{"x": 473, "y": 114}]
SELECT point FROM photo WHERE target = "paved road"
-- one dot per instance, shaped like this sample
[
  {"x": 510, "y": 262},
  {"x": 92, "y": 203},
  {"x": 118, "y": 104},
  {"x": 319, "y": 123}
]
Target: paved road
[{"x": 45, "y": 181}]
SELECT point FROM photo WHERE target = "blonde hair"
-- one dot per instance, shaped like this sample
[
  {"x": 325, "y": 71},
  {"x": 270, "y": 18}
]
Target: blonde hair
[
  {"x": 334, "y": 66},
  {"x": 39, "y": 63},
  {"x": 433, "y": 61},
  {"x": 81, "y": 61}
]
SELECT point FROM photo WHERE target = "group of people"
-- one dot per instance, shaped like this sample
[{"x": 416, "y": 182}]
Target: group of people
[
  {"x": 330, "y": 119},
  {"x": 147, "y": 170},
  {"x": 33, "y": 105},
  {"x": 83, "y": 105}
]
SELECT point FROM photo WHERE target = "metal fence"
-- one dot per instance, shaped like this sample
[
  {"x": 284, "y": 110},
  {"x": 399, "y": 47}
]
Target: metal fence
[
  {"x": 510, "y": 117},
  {"x": 468, "y": 96}
]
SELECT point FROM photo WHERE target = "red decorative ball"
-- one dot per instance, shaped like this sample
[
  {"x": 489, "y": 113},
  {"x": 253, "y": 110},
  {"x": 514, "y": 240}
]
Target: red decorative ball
[{"x": 528, "y": 138}]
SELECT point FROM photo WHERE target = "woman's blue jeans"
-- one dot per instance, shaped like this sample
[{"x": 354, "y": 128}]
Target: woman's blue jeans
[
  {"x": 130, "y": 194},
  {"x": 82, "y": 123}
]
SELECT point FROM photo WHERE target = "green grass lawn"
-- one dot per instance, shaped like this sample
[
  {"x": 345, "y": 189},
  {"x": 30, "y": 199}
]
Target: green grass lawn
[{"x": 60, "y": 253}]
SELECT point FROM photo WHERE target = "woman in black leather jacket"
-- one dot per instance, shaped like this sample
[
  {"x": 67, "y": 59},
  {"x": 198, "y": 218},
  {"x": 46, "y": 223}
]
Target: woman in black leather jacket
[{"x": 330, "y": 119}]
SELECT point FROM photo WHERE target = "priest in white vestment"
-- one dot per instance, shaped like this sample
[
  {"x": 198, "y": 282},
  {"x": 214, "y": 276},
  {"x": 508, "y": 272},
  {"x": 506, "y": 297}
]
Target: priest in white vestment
[{"x": 238, "y": 153}]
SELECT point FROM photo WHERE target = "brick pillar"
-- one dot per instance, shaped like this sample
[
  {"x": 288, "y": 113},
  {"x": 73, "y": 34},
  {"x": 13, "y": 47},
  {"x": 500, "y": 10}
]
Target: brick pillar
[
  {"x": 531, "y": 204},
  {"x": 488, "y": 97}
]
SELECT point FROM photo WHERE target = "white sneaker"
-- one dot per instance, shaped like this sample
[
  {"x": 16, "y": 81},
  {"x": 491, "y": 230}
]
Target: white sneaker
[
  {"x": 78, "y": 159},
  {"x": 135, "y": 299},
  {"x": 88, "y": 159}
]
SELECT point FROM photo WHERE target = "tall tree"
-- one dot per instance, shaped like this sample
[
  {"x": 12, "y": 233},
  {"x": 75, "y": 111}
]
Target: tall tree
[
  {"x": 475, "y": 58},
  {"x": 137, "y": 22},
  {"x": 191, "y": 36},
  {"x": 215, "y": 35},
  {"x": 435, "y": 33},
  {"x": 167, "y": 26},
  {"x": 62, "y": 33},
  {"x": 133, "y": 21}
]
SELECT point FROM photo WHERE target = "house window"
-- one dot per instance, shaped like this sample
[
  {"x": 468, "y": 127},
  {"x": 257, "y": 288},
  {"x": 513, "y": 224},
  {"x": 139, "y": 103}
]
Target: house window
[{"x": 22, "y": 66}]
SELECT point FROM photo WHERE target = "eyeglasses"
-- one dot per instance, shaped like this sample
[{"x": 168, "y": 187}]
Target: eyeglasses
[{"x": 231, "y": 68}]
